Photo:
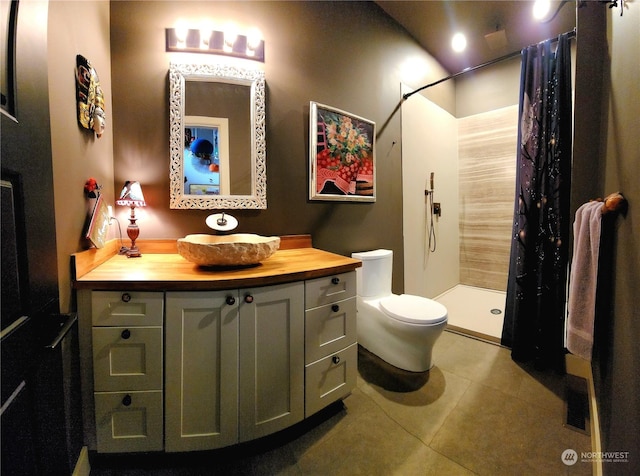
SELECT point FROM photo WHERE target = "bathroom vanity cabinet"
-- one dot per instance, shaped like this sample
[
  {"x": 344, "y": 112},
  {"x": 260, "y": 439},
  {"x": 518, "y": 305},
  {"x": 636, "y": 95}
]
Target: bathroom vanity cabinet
[
  {"x": 179, "y": 358},
  {"x": 232, "y": 372}
]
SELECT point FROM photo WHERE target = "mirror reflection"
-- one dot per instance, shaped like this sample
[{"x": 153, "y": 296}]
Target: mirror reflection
[{"x": 217, "y": 137}]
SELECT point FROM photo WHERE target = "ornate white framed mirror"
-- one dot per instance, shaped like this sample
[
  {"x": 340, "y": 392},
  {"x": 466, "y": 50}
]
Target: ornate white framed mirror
[{"x": 217, "y": 137}]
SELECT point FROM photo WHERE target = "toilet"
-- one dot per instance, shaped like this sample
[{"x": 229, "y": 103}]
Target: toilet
[{"x": 400, "y": 329}]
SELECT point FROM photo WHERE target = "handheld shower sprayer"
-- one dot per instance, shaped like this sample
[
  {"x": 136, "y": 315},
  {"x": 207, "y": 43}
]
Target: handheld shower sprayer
[{"x": 431, "y": 233}]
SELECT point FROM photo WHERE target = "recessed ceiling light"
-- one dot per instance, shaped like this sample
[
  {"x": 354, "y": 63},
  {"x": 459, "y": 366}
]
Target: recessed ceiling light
[
  {"x": 458, "y": 42},
  {"x": 541, "y": 9}
]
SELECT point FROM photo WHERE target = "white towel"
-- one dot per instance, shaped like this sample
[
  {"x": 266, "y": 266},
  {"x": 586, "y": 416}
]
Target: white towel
[{"x": 583, "y": 279}]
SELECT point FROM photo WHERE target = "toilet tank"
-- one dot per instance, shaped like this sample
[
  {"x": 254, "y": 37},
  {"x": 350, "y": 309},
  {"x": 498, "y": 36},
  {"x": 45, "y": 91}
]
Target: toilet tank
[{"x": 374, "y": 277}]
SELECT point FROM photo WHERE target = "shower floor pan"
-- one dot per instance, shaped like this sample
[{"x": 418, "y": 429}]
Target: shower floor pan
[{"x": 474, "y": 311}]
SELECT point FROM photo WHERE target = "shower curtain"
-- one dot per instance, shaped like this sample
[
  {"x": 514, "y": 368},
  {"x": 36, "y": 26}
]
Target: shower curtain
[{"x": 535, "y": 301}]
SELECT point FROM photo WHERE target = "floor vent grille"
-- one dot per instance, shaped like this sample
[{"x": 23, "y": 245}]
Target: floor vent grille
[{"x": 577, "y": 416}]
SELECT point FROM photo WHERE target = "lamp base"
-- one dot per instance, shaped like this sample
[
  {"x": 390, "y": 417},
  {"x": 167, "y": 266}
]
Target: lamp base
[
  {"x": 133, "y": 231},
  {"x": 133, "y": 253}
]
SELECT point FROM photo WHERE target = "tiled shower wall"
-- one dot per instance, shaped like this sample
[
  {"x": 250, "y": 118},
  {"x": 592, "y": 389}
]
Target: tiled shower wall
[{"x": 486, "y": 159}]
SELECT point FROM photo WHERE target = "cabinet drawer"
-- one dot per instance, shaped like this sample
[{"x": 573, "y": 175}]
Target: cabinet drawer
[
  {"x": 329, "y": 328},
  {"x": 127, "y": 358},
  {"x": 329, "y": 289},
  {"x": 115, "y": 308},
  {"x": 330, "y": 379},
  {"x": 129, "y": 421}
]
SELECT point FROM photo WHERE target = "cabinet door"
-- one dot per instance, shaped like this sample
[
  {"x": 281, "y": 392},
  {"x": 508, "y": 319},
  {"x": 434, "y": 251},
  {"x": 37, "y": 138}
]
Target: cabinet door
[
  {"x": 201, "y": 374},
  {"x": 135, "y": 308},
  {"x": 331, "y": 378},
  {"x": 329, "y": 289},
  {"x": 127, "y": 358},
  {"x": 129, "y": 421},
  {"x": 329, "y": 328},
  {"x": 271, "y": 359}
]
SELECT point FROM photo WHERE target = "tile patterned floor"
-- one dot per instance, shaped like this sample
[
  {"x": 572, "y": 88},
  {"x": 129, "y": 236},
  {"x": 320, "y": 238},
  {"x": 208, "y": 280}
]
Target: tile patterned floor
[{"x": 475, "y": 412}]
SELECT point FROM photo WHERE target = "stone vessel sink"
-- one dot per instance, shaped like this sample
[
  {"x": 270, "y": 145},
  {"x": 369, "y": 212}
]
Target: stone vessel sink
[{"x": 239, "y": 249}]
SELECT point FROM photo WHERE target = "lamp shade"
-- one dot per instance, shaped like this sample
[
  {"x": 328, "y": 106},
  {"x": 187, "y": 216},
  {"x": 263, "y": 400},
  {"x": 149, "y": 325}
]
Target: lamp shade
[{"x": 131, "y": 195}]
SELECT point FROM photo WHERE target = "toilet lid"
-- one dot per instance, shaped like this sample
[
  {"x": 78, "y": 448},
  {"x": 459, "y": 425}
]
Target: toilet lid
[{"x": 414, "y": 309}]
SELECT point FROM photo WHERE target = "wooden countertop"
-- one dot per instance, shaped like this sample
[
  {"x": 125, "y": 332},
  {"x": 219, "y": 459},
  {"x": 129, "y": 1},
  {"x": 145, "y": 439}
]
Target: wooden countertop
[{"x": 169, "y": 271}]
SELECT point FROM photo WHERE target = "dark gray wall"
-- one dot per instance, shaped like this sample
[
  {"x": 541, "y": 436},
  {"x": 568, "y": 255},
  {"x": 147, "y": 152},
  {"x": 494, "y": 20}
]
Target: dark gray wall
[
  {"x": 343, "y": 54},
  {"x": 610, "y": 162},
  {"x": 26, "y": 149}
]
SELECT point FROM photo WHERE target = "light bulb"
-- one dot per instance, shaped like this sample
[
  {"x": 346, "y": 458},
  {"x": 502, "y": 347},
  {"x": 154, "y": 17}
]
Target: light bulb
[
  {"x": 541, "y": 9},
  {"x": 181, "y": 31},
  {"x": 253, "y": 41},
  {"x": 230, "y": 36},
  {"x": 458, "y": 42},
  {"x": 206, "y": 29}
]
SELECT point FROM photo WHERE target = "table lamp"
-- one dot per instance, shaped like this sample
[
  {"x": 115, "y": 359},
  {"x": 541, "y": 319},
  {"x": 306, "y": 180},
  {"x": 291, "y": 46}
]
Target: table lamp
[{"x": 131, "y": 196}]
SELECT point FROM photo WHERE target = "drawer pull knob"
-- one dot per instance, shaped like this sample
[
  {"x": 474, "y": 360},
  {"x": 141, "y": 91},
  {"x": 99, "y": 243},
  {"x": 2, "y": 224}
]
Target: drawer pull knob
[
  {"x": 126, "y": 401},
  {"x": 335, "y": 308},
  {"x": 231, "y": 300},
  {"x": 335, "y": 359},
  {"x": 335, "y": 280},
  {"x": 126, "y": 297},
  {"x": 126, "y": 334},
  {"x": 248, "y": 299}
]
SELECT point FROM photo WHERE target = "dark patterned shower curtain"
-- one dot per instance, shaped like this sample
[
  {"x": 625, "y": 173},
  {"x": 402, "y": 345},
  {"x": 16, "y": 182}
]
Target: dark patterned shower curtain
[{"x": 535, "y": 303}]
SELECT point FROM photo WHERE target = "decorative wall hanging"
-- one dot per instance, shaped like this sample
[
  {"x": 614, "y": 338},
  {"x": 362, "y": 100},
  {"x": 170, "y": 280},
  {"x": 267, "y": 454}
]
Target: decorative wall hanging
[
  {"x": 341, "y": 155},
  {"x": 90, "y": 98}
]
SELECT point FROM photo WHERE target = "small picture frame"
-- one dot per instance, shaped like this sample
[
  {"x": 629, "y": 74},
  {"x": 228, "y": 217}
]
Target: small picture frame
[
  {"x": 99, "y": 224},
  {"x": 342, "y": 164}
]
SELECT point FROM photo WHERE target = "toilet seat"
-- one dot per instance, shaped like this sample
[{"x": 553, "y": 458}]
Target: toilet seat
[{"x": 414, "y": 309}]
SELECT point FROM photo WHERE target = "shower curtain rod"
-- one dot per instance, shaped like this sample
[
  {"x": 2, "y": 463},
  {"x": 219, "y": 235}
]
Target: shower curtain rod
[{"x": 570, "y": 34}]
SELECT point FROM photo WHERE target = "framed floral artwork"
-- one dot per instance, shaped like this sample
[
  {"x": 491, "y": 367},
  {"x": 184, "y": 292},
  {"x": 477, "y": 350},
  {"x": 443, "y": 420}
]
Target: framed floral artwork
[{"x": 342, "y": 163}]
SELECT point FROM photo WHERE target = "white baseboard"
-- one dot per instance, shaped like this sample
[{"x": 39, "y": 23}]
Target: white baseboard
[
  {"x": 582, "y": 368},
  {"x": 83, "y": 467}
]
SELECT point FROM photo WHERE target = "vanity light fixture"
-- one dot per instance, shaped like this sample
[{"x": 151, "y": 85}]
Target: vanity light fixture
[
  {"x": 131, "y": 196},
  {"x": 215, "y": 42}
]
